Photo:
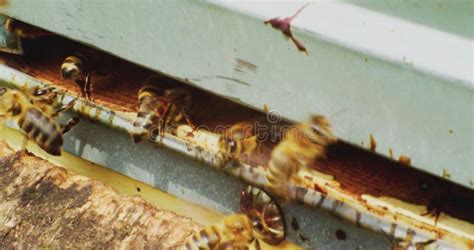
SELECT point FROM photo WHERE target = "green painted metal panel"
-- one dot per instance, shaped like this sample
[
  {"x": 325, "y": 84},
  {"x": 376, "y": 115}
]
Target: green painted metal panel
[{"x": 406, "y": 82}]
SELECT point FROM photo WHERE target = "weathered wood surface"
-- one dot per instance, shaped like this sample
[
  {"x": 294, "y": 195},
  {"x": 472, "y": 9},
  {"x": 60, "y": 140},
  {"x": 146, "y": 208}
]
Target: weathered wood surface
[{"x": 42, "y": 205}]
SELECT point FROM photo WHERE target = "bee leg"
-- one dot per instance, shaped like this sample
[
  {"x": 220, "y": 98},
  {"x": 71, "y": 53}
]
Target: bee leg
[
  {"x": 70, "y": 124},
  {"x": 438, "y": 202},
  {"x": 257, "y": 245},
  {"x": 163, "y": 122},
  {"x": 437, "y": 215},
  {"x": 436, "y": 212},
  {"x": 161, "y": 132},
  {"x": 81, "y": 84},
  {"x": 87, "y": 87},
  {"x": 65, "y": 107},
  {"x": 184, "y": 114},
  {"x": 190, "y": 122},
  {"x": 24, "y": 143},
  {"x": 137, "y": 138},
  {"x": 423, "y": 245}
]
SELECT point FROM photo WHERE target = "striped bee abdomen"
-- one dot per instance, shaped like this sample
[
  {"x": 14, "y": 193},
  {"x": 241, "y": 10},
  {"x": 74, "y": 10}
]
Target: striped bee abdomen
[
  {"x": 42, "y": 129},
  {"x": 234, "y": 232},
  {"x": 148, "y": 110},
  {"x": 149, "y": 90},
  {"x": 206, "y": 239}
]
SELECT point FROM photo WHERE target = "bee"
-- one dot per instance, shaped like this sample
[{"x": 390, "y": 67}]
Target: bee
[
  {"x": 266, "y": 216},
  {"x": 446, "y": 199},
  {"x": 162, "y": 105},
  {"x": 45, "y": 98},
  {"x": 404, "y": 245},
  {"x": 238, "y": 140},
  {"x": 42, "y": 97},
  {"x": 435, "y": 206},
  {"x": 81, "y": 66},
  {"x": 179, "y": 104},
  {"x": 302, "y": 144},
  {"x": 36, "y": 122},
  {"x": 150, "y": 109},
  {"x": 234, "y": 232}
]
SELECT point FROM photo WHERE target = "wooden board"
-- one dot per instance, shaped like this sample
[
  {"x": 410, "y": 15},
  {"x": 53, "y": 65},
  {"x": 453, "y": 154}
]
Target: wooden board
[{"x": 42, "y": 205}]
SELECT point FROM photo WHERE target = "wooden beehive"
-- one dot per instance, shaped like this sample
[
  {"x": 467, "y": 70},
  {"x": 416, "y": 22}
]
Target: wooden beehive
[{"x": 385, "y": 195}]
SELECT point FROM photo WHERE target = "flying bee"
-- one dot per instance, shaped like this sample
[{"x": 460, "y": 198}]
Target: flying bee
[
  {"x": 302, "y": 144},
  {"x": 81, "y": 66},
  {"x": 161, "y": 106},
  {"x": 35, "y": 122},
  {"x": 238, "y": 140},
  {"x": 266, "y": 216},
  {"x": 235, "y": 232}
]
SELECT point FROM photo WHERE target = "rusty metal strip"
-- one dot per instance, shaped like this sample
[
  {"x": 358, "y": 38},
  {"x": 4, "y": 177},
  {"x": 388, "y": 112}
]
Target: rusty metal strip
[{"x": 400, "y": 227}]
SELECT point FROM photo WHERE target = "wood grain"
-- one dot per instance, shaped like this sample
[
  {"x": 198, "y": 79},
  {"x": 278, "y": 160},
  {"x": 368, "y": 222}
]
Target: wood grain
[{"x": 42, "y": 205}]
